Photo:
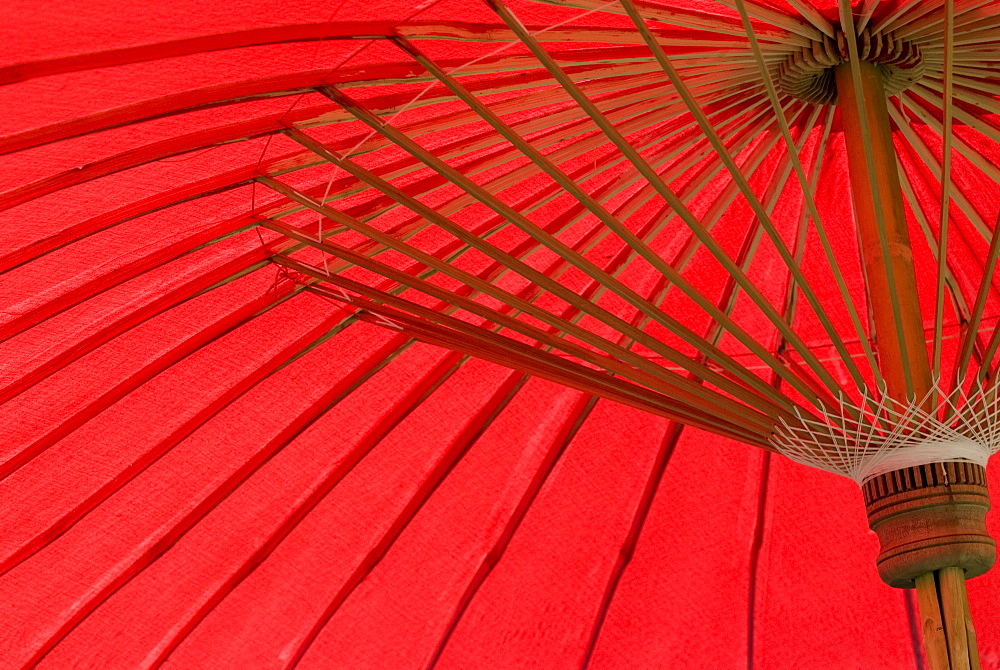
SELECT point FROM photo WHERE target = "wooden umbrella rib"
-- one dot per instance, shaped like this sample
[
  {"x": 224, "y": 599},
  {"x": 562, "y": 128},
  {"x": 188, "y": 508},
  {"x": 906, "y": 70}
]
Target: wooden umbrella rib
[
  {"x": 530, "y": 228},
  {"x": 758, "y": 209},
  {"x": 719, "y": 207},
  {"x": 401, "y": 230},
  {"x": 480, "y": 341},
  {"x": 501, "y": 295},
  {"x": 674, "y": 429},
  {"x": 817, "y": 26},
  {"x": 654, "y": 179},
  {"x": 260, "y": 127},
  {"x": 925, "y": 153},
  {"x": 582, "y": 196},
  {"x": 958, "y": 298},
  {"x": 259, "y": 89},
  {"x": 932, "y": 23},
  {"x": 942, "y": 257},
  {"x": 967, "y": 342},
  {"x": 645, "y": 372},
  {"x": 810, "y": 203},
  {"x": 693, "y": 18}
]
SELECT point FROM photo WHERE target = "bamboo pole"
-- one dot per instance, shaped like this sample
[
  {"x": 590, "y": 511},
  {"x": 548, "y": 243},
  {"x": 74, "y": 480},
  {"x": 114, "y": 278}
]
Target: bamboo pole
[{"x": 949, "y": 639}]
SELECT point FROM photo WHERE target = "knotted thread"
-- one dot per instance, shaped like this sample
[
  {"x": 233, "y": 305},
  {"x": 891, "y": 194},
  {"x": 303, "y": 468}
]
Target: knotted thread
[{"x": 875, "y": 437}]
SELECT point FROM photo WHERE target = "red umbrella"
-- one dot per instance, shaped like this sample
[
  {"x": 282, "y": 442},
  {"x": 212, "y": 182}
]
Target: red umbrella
[{"x": 376, "y": 336}]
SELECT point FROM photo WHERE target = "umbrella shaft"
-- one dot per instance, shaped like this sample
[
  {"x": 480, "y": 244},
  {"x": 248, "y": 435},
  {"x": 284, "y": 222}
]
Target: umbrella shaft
[{"x": 885, "y": 243}]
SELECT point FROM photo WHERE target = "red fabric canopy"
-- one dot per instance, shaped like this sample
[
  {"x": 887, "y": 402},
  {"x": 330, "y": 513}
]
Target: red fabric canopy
[{"x": 224, "y": 445}]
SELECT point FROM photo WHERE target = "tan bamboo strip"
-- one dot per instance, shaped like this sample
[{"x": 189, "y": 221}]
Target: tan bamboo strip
[
  {"x": 959, "y": 301},
  {"x": 810, "y": 203},
  {"x": 886, "y": 254},
  {"x": 814, "y": 28},
  {"x": 461, "y": 302},
  {"x": 954, "y": 602},
  {"x": 893, "y": 283},
  {"x": 404, "y": 230},
  {"x": 527, "y": 126},
  {"x": 505, "y": 297},
  {"x": 888, "y": 22},
  {"x": 968, "y": 341},
  {"x": 942, "y": 258},
  {"x": 755, "y": 205},
  {"x": 926, "y": 155},
  {"x": 931, "y": 24},
  {"x": 813, "y": 15},
  {"x": 623, "y": 232},
  {"x": 688, "y": 18},
  {"x": 516, "y": 175},
  {"x": 917, "y": 16},
  {"x": 662, "y": 188},
  {"x": 775, "y": 188},
  {"x": 503, "y": 350},
  {"x": 932, "y": 623},
  {"x": 531, "y": 229},
  {"x": 868, "y": 7}
]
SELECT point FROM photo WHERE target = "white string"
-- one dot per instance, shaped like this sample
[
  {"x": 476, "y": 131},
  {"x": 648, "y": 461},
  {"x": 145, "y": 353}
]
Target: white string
[{"x": 865, "y": 440}]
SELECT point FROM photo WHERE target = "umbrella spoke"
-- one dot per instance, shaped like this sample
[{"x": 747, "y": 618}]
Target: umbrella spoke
[
  {"x": 551, "y": 242},
  {"x": 810, "y": 202},
  {"x": 668, "y": 195}
]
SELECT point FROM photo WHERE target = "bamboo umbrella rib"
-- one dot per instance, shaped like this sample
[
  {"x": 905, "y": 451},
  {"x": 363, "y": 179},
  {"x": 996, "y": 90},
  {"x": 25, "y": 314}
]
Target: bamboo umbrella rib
[
  {"x": 958, "y": 297},
  {"x": 847, "y": 20},
  {"x": 817, "y": 25},
  {"x": 437, "y": 328},
  {"x": 933, "y": 22},
  {"x": 758, "y": 209},
  {"x": 689, "y": 18},
  {"x": 664, "y": 191},
  {"x": 461, "y": 609},
  {"x": 868, "y": 7},
  {"x": 674, "y": 429},
  {"x": 284, "y": 86},
  {"x": 969, "y": 337},
  {"x": 990, "y": 170},
  {"x": 457, "y": 31},
  {"x": 942, "y": 259},
  {"x": 909, "y": 21},
  {"x": 811, "y": 14},
  {"x": 261, "y": 127},
  {"x": 726, "y": 198},
  {"x": 925, "y": 153},
  {"x": 810, "y": 203},
  {"x": 497, "y": 293},
  {"x": 528, "y": 227},
  {"x": 571, "y": 187},
  {"x": 487, "y": 227},
  {"x": 485, "y": 287},
  {"x": 157, "y": 202}
]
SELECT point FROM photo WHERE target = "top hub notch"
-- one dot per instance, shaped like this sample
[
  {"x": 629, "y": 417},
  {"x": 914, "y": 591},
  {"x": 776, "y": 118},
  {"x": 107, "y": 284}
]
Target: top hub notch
[{"x": 807, "y": 74}]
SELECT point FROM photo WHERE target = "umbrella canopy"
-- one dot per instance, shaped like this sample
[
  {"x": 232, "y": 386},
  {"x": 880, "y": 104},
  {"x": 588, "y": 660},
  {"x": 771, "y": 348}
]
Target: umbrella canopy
[{"x": 360, "y": 335}]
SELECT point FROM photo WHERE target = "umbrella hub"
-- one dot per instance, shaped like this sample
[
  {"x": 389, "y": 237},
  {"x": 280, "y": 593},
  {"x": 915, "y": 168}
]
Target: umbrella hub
[
  {"x": 808, "y": 75},
  {"x": 930, "y": 517}
]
